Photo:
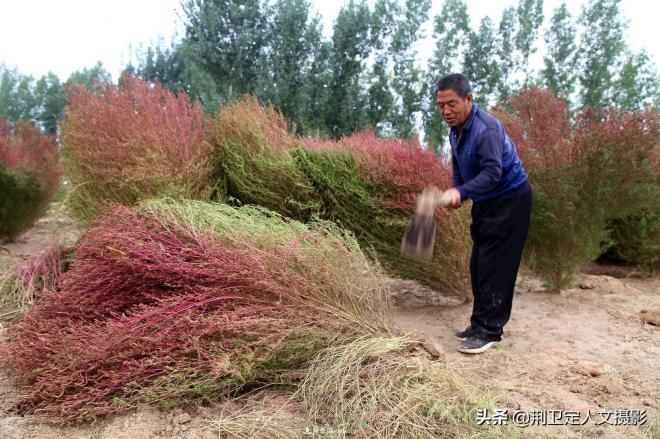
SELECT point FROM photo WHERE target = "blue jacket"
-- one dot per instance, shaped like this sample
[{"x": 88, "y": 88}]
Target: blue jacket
[{"x": 484, "y": 160}]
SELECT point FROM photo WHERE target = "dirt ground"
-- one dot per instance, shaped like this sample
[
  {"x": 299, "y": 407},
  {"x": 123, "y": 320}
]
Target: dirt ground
[{"x": 584, "y": 350}]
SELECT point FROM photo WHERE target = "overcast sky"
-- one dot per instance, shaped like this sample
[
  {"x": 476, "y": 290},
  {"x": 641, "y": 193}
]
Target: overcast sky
[{"x": 66, "y": 35}]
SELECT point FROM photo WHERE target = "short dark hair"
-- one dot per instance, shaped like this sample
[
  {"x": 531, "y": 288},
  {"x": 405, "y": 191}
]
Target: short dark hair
[{"x": 454, "y": 81}]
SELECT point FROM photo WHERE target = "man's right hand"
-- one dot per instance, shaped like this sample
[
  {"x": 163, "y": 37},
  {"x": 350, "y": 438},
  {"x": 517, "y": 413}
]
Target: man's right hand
[{"x": 452, "y": 197}]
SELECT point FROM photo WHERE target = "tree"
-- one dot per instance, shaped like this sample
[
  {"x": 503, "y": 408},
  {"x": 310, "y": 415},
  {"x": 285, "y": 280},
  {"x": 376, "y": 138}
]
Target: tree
[
  {"x": 226, "y": 38},
  {"x": 530, "y": 18},
  {"x": 176, "y": 69},
  {"x": 601, "y": 45},
  {"x": 481, "y": 63},
  {"x": 317, "y": 88},
  {"x": 17, "y": 100},
  {"x": 638, "y": 84},
  {"x": 408, "y": 79},
  {"x": 380, "y": 95},
  {"x": 51, "y": 97},
  {"x": 91, "y": 78},
  {"x": 350, "y": 48},
  {"x": 560, "y": 61},
  {"x": 507, "y": 64},
  {"x": 451, "y": 32},
  {"x": 288, "y": 56}
]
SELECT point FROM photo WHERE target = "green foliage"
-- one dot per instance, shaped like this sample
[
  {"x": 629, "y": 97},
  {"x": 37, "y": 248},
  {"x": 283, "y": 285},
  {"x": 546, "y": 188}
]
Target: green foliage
[
  {"x": 226, "y": 38},
  {"x": 285, "y": 66},
  {"x": 638, "y": 84},
  {"x": 530, "y": 18},
  {"x": 507, "y": 65},
  {"x": 408, "y": 77},
  {"x": 43, "y": 100},
  {"x": 601, "y": 45},
  {"x": 176, "y": 69},
  {"x": 567, "y": 229},
  {"x": 52, "y": 98},
  {"x": 350, "y": 49},
  {"x": 559, "y": 73},
  {"x": 17, "y": 100},
  {"x": 380, "y": 94},
  {"x": 451, "y": 31},
  {"x": 481, "y": 63},
  {"x": 93, "y": 79},
  {"x": 21, "y": 202},
  {"x": 636, "y": 236},
  {"x": 317, "y": 92}
]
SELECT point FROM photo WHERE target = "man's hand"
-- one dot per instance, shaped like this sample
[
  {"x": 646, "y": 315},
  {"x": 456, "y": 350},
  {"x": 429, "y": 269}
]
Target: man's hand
[{"x": 453, "y": 198}]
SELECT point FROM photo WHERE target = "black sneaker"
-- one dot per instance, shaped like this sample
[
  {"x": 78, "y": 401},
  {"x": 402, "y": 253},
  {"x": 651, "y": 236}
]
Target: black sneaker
[
  {"x": 474, "y": 345},
  {"x": 462, "y": 335}
]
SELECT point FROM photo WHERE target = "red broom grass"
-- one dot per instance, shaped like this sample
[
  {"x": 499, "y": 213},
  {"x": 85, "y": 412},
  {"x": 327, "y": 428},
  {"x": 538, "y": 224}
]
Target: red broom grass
[
  {"x": 398, "y": 169},
  {"x": 586, "y": 172},
  {"x": 29, "y": 175},
  {"x": 25, "y": 285},
  {"x": 25, "y": 149},
  {"x": 130, "y": 142},
  {"x": 394, "y": 172},
  {"x": 179, "y": 302},
  {"x": 367, "y": 184}
]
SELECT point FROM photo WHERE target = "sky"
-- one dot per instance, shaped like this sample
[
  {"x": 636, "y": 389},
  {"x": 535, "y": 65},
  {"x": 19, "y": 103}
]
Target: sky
[{"x": 37, "y": 36}]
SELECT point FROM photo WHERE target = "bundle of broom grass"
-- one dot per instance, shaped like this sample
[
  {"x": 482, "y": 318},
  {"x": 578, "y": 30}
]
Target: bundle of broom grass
[
  {"x": 24, "y": 285},
  {"x": 174, "y": 302},
  {"x": 128, "y": 142},
  {"x": 369, "y": 186},
  {"x": 363, "y": 183}
]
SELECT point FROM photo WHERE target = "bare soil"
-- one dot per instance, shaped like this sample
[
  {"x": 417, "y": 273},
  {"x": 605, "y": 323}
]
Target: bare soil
[{"x": 586, "y": 349}]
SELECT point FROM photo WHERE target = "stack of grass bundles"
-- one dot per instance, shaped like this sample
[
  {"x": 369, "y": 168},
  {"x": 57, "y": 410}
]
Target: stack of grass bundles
[
  {"x": 173, "y": 302},
  {"x": 129, "y": 142}
]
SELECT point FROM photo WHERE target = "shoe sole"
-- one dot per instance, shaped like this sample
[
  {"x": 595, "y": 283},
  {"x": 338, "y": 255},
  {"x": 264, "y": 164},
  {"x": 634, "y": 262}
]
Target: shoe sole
[{"x": 478, "y": 350}]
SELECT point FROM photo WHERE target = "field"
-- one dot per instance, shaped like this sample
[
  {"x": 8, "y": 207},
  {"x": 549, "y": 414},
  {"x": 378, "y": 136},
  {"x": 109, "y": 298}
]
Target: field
[{"x": 584, "y": 349}]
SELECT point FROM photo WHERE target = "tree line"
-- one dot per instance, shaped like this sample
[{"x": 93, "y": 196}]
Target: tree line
[{"x": 369, "y": 73}]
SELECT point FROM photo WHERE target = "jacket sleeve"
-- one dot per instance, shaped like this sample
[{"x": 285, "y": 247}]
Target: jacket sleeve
[{"x": 489, "y": 154}]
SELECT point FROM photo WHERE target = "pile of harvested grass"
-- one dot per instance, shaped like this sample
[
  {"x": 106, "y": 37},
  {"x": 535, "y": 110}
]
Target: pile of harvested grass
[
  {"x": 365, "y": 184},
  {"x": 128, "y": 142},
  {"x": 373, "y": 387},
  {"x": 251, "y": 144},
  {"x": 173, "y": 302},
  {"x": 369, "y": 186},
  {"x": 26, "y": 284}
]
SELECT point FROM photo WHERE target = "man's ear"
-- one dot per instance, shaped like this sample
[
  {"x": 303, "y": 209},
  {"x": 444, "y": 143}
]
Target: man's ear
[{"x": 469, "y": 98}]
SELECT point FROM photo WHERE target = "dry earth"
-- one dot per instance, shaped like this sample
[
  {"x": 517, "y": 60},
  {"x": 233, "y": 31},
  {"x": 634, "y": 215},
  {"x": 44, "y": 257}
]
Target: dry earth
[{"x": 585, "y": 350}]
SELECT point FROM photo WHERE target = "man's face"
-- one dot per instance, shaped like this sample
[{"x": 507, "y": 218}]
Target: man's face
[{"x": 453, "y": 108}]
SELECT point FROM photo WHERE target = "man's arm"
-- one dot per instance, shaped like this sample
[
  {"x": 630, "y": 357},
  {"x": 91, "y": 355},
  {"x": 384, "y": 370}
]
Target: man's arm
[{"x": 489, "y": 153}]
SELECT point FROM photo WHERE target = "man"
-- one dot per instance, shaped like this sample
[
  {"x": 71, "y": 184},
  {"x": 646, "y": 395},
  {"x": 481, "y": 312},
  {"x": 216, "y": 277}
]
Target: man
[{"x": 486, "y": 169}]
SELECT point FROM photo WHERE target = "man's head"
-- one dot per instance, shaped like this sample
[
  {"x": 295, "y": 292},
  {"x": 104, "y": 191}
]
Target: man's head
[{"x": 454, "y": 97}]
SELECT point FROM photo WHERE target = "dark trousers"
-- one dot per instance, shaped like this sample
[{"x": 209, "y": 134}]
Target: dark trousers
[{"x": 499, "y": 230}]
